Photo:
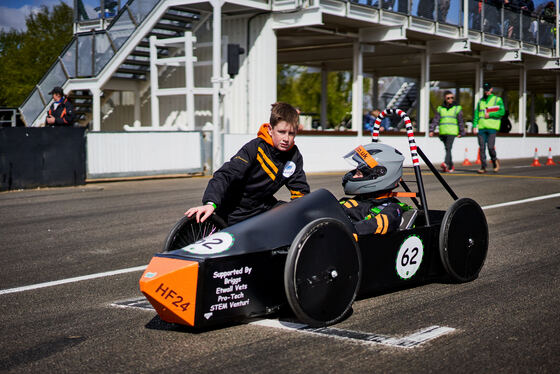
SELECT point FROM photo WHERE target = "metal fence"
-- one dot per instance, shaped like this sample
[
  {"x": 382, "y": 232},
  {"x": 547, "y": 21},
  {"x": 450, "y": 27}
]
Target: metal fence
[{"x": 484, "y": 16}]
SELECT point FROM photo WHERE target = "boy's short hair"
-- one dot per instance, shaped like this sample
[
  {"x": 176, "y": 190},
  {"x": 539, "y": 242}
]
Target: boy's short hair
[{"x": 284, "y": 112}]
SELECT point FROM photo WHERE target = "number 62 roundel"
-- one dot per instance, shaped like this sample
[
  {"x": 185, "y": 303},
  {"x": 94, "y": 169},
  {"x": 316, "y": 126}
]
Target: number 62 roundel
[{"x": 409, "y": 257}]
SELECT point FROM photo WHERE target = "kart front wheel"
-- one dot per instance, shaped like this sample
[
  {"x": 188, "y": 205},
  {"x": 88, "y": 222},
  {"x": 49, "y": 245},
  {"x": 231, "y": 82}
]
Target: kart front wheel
[
  {"x": 187, "y": 231},
  {"x": 322, "y": 272},
  {"x": 463, "y": 240}
]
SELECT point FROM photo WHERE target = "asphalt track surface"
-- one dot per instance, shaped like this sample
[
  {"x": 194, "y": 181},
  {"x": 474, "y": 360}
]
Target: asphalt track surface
[{"x": 506, "y": 321}]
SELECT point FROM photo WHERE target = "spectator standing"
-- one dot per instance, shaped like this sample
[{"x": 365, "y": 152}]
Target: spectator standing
[
  {"x": 549, "y": 12},
  {"x": 475, "y": 11},
  {"x": 547, "y": 28},
  {"x": 368, "y": 121},
  {"x": 511, "y": 19},
  {"x": 385, "y": 122},
  {"x": 61, "y": 112},
  {"x": 449, "y": 118},
  {"x": 492, "y": 16},
  {"x": 426, "y": 9},
  {"x": 443, "y": 9},
  {"x": 505, "y": 123},
  {"x": 486, "y": 123},
  {"x": 300, "y": 125},
  {"x": 403, "y": 6},
  {"x": 527, "y": 8}
]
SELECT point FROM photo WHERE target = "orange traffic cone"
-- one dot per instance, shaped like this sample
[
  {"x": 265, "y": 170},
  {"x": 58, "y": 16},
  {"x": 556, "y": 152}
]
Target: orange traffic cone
[
  {"x": 478, "y": 158},
  {"x": 536, "y": 159},
  {"x": 466, "y": 162},
  {"x": 549, "y": 160}
]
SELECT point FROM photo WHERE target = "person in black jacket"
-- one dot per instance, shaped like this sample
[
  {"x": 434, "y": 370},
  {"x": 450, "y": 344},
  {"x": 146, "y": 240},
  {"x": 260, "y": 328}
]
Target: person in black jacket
[
  {"x": 426, "y": 9},
  {"x": 245, "y": 186},
  {"x": 492, "y": 16},
  {"x": 61, "y": 112}
]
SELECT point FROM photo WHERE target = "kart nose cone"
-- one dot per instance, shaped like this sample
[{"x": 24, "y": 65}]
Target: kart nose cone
[{"x": 169, "y": 284}]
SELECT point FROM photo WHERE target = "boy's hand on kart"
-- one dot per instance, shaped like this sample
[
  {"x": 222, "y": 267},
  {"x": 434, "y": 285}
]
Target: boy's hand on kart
[{"x": 202, "y": 212}]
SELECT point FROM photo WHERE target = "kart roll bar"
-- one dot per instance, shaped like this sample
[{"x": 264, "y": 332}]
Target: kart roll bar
[{"x": 414, "y": 152}]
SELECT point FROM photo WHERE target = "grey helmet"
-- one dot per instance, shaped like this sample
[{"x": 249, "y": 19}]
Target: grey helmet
[{"x": 380, "y": 164}]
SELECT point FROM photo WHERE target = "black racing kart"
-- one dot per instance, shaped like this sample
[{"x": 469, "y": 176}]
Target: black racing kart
[{"x": 306, "y": 254}]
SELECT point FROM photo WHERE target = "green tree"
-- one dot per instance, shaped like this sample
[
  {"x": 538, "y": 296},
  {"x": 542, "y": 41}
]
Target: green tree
[
  {"x": 302, "y": 89},
  {"x": 25, "y": 56}
]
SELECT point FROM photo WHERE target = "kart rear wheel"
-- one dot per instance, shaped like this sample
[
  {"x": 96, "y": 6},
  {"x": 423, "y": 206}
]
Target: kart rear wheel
[
  {"x": 187, "y": 231},
  {"x": 463, "y": 240},
  {"x": 322, "y": 272}
]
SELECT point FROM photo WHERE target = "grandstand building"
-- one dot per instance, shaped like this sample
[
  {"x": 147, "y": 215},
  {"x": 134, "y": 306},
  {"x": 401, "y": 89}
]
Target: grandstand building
[{"x": 158, "y": 67}]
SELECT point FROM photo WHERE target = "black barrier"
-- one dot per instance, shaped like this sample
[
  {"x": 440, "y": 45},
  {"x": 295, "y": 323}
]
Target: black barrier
[{"x": 42, "y": 157}]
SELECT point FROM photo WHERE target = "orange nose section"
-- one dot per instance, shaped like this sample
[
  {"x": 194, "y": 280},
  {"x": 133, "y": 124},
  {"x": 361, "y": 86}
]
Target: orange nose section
[{"x": 170, "y": 286}]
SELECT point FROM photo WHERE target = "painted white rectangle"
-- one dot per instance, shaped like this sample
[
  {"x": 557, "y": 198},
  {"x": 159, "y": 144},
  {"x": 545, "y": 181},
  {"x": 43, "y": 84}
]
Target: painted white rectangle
[
  {"x": 143, "y": 153},
  {"x": 278, "y": 324},
  {"x": 409, "y": 341},
  {"x": 423, "y": 336}
]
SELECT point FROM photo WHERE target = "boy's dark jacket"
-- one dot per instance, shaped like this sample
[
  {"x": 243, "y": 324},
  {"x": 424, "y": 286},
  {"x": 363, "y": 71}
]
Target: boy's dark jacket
[{"x": 245, "y": 185}]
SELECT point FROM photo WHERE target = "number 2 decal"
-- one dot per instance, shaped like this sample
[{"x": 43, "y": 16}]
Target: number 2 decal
[
  {"x": 215, "y": 243},
  {"x": 208, "y": 243}
]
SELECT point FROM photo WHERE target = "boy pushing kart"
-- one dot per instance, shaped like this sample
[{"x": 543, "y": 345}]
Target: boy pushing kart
[{"x": 245, "y": 186}]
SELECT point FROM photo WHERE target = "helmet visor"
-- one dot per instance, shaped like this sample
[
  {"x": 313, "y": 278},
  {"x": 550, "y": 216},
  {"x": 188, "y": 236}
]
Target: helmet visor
[{"x": 359, "y": 158}]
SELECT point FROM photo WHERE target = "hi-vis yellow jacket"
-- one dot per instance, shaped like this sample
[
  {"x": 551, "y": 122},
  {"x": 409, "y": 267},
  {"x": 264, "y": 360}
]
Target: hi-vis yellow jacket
[{"x": 494, "y": 106}]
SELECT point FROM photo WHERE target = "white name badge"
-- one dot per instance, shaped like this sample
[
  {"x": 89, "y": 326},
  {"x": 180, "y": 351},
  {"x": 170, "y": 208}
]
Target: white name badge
[{"x": 289, "y": 169}]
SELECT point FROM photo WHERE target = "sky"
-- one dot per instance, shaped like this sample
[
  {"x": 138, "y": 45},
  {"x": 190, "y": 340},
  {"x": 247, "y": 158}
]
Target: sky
[{"x": 13, "y": 12}]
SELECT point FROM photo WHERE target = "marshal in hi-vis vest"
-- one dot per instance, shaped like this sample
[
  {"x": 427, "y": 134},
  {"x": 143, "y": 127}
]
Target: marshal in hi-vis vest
[
  {"x": 448, "y": 124},
  {"x": 491, "y": 105}
]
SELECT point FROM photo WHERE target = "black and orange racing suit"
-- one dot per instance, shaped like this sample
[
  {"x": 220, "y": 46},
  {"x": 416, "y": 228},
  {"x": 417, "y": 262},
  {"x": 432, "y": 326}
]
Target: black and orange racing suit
[
  {"x": 63, "y": 114},
  {"x": 245, "y": 185},
  {"x": 381, "y": 214}
]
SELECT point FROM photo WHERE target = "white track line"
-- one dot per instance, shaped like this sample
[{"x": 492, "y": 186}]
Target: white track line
[
  {"x": 139, "y": 268},
  {"x": 521, "y": 201},
  {"x": 71, "y": 280}
]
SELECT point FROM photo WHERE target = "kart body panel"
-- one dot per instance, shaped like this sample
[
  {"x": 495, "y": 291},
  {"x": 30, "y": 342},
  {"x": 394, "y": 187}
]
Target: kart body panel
[{"x": 237, "y": 273}]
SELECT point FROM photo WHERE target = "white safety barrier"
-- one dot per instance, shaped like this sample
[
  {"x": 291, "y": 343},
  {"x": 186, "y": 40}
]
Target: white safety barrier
[
  {"x": 143, "y": 153},
  {"x": 324, "y": 153}
]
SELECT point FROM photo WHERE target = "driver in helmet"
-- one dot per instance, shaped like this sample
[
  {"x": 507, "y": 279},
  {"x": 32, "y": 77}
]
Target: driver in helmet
[{"x": 374, "y": 208}]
